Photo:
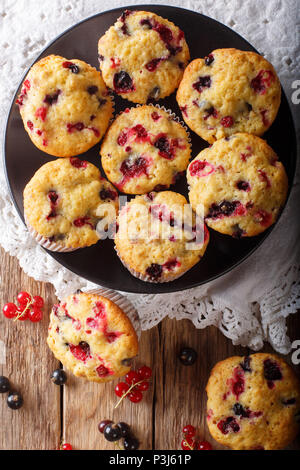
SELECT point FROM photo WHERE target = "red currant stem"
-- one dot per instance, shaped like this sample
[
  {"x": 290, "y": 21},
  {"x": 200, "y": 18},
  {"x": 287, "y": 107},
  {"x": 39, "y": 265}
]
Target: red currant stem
[
  {"x": 186, "y": 443},
  {"x": 128, "y": 391},
  {"x": 29, "y": 303},
  {"x": 117, "y": 445}
]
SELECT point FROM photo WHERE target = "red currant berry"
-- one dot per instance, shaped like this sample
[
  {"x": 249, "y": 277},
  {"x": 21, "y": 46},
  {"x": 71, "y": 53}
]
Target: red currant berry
[
  {"x": 66, "y": 446},
  {"x": 132, "y": 377},
  {"x": 189, "y": 430},
  {"x": 35, "y": 315},
  {"x": 22, "y": 316},
  {"x": 38, "y": 302},
  {"x": 10, "y": 310},
  {"x": 204, "y": 445},
  {"x": 144, "y": 372},
  {"x": 142, "y": 387},
  {"x": 102, "y": 425},
  {"x": 121, "y": 388},
  {"x": 23, "y": 298},
  {"x": 187, "y": 444},
  {"x": 135, "y": 396}
]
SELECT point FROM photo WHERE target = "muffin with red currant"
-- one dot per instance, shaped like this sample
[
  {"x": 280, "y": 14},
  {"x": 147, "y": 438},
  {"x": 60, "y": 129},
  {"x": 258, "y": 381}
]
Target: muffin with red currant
[
  {"x": 143, "y": 56},
  {"x": 65, "y": 106},
  {"x": 239, "y": 184},
  {"x": 92, "y": 336},
  {"x": 253, "y": 402},
  {"x": 145, "y": 149},
  {"x": 229, "y": 91},
  {"x": 69, "y": 205},
  {"x": 159, "y": 238}
]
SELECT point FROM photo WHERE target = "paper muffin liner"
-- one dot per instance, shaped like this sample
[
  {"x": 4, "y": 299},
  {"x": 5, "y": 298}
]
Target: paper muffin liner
[
  {"x": 123, "y": 303},
  {"x": 46, "y": 243},
  {"x": 174, "y": 118},
  {"x": 146, "y": 278}
]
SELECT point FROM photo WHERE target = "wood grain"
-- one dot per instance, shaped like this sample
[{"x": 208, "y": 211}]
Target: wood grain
[
  {"x": 176, "y": 396},
  {"x": 29, "y": 364}
]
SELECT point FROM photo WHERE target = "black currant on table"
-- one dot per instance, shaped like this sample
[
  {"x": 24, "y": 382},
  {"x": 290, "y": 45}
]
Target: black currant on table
[
  {"x": 131, "y": 443},
  {"x": 102, "y": 424},
  {"x": 59, "y": 377},
  {"x": 4, "y": 384},
  {"x": 124, "y": 429},
  {"x": 14, "y": 400},
  {"x": 187, "y": 356},
  {"x": 112, "y": 432}
]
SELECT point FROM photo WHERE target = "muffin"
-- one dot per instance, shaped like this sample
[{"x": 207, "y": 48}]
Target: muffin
[
  {"x": 65, "y": 106},
  {"x": 66, "y": 201},
  {"x": 143, "y": 56},
  {"x": 239, "y": 184},
  {"x": 229, "y": 91},
  {"x": 92, "y": 337},
  {"x": 159, "y": 238},
  {"x": 253, "y": 402},
  {"x": 145, "y": 149}
]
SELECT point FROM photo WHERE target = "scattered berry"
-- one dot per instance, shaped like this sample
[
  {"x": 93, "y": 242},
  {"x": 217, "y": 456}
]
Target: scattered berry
[
  {"x": 187, "y": 356},
  {"x": 22, "y": 313},
  {"x": 145, "y": 372},
  {"x": 34, "y": 315},
  {"x": 136, "y": 383},
  {"x": 112, "y": 432},
  {"x": 187, "y": 444},
  {"x": 124, "y": 429},
  {"x": 23, "y": 298},
  {"x": 132, "y": 377},
  {"x": 28, "y": 308},
  {"x": 204, "y": 445},
  {"x": 59, "y": 377},
  {"x": 189, "y": 430},
  {"x": 121, "y": 388},
  {"x": 66, "y": 446},
  {"x": 10, "y": 310},
  {"x": 102, "y": 425},
  {"x": 38, "y": 301},
  {"x": 143, "y": 387},
  {"x": 135, "y": 396},
  {"x": 4, "y": 384},
  {"x": 14, "y": 400},
  {"x": 131, "y": 443}
]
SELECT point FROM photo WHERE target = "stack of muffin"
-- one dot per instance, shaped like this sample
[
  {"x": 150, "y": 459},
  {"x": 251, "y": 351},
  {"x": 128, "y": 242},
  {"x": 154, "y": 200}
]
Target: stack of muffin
[{"x": 237, "y": 186}]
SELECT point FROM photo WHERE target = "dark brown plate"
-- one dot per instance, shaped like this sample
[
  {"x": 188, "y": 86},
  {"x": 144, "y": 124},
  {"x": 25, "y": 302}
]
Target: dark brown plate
[{"x": 100, "y": 263}]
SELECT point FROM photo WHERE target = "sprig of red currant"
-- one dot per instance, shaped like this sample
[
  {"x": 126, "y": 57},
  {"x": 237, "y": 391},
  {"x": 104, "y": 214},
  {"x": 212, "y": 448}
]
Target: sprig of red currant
[
  {"x": 136, "y": 383},
  {"x": 29, "y": 308},
  {"x": 190, "y": 442}
]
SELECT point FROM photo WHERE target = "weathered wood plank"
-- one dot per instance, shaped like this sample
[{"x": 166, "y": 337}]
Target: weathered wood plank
[
  {"x": 176, "y": 396},
  {"x": 29, "y": 364},
  {"x": 86, "y": 404}
]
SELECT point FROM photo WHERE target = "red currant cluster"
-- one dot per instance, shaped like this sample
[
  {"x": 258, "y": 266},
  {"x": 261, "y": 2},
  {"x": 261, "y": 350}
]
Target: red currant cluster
[
  {"x": 136, "y": 383},
  {"x": 190, "y": 442},
  {"x": 28, "y": 308}
]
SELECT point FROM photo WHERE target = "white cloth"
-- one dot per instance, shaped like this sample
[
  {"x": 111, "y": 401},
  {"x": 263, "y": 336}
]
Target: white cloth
[{"x": 251, "y": 303}]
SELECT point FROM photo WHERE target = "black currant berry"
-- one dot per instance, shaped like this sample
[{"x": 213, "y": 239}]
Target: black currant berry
[
  {"x": 102, "y": 424},
  {"x": 187, "y": 356},
  {"x": 14, "y": 400},
  {"x": 124, "y": 428},
  {"x": 4, "y": 384},
  {"x": 59, "y": 377},
  {"x": 112, "y": 432},
  {"x": 130, "y": 443}
]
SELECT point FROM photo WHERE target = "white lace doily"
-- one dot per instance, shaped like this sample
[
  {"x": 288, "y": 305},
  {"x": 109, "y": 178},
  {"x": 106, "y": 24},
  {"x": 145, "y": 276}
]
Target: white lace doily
[{"x": 251, "y": 303}]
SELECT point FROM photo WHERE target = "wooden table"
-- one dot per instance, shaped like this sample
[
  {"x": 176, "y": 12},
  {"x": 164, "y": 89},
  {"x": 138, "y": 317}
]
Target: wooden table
[{"x": 49, "y": 415}]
